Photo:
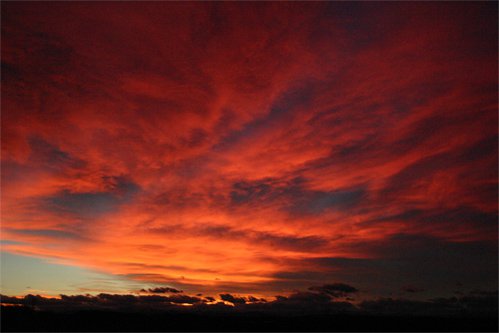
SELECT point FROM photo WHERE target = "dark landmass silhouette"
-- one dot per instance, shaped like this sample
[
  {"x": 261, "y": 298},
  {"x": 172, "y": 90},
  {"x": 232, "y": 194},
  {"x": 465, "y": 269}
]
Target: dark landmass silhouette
[{"x": 23, "y": 319}]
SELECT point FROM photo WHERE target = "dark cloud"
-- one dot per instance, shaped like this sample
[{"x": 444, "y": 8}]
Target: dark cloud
[
  {"x": 11, "y": 300},
  {"x": 162, "y": 290},
  {"x": 485, "y": 305},
  {"x": 412, "y": 289},
  {"x": 103, "y": 301},
  {"x": 244, "y": 192},
  {"x": 306, "y": 243},
  {"x": 401, "y": 306},
  {"x": 342, "y": 262},
  {"x": 119, "y": 190},
  {"x": 83, "y": 203},
  {"x": 316, "y": 202},
  {"x": 335, "y": 289},
  {"x": 428, "y": 263},
  {"x": 486, "y": 293},
  {"x": 55, "y": 56},
  {"x": 304, "y": 302},
  {"x": 464, "y": 216},
  {"x": 425, "y": 261},
  {"x": 50, "y": 156},
  {"x": 281, "y": 111},
  {"x": 410, "y": 177},
  {"x": 255, "y": 299},
  {"x": 308, "y": 297},
  {"x": 293, "y": 196},
  {"x": 233, "y": 299},
  {"x": 184, "y": 299}
]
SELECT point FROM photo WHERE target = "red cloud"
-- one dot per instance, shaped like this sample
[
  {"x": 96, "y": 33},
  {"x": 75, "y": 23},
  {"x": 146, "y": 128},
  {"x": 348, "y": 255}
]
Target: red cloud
[{"x": 296, "y": 130}]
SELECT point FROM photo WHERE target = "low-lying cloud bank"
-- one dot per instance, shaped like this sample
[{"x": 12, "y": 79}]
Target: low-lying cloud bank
[{"x": 318, "y": 300}]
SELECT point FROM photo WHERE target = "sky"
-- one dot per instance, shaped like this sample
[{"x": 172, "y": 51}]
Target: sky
[{"x": 249, "y": 148}]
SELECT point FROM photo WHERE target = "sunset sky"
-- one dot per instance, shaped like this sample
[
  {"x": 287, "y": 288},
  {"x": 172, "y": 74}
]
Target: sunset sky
[{"x": 249, "y": 148}]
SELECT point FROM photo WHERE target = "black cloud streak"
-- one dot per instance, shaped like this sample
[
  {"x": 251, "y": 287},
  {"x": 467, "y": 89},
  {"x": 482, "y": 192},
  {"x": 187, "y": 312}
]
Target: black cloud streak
[
  {"x": 162, "y": 290},
  {"x": 335, "y": 290},
  {"x": 232, "y": 299},
  {"x": 238, "y": 300}
]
